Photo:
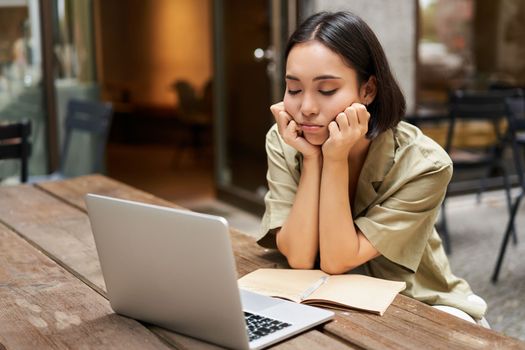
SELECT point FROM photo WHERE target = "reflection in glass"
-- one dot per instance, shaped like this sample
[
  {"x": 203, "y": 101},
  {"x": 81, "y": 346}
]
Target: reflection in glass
[
  {"x": 75, "y": 76},
  {"x": 21, "y": 78}
]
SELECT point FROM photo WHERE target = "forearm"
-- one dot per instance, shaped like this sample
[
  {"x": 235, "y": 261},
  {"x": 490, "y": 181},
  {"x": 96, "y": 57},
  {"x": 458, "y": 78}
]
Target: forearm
[
  {"x": 338, "y": 239},
  {"x": 298, "y": 239}
]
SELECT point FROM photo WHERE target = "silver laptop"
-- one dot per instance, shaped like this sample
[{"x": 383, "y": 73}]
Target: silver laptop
[{"x": 175, "y": 268}]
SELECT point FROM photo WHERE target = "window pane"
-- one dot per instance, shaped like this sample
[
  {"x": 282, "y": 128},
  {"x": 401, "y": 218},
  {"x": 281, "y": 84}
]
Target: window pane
[
  {"x": 75, "y": 75},
  {"x": 20, "y": 80}
]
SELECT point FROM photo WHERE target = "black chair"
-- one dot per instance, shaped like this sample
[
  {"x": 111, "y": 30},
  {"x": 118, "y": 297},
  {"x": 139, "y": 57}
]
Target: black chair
[
  {"x": 476, "y": 106},
  {"x": 91, "y": 117},
  {"x": 516, "y": 132},
  {"x": 193, "y": 116},
  {"x": 84, "y": 116},
  {"x": 14, "y": 144}
]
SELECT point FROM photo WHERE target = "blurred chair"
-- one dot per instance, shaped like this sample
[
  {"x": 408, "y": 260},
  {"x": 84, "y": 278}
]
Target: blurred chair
[
  {"x": 469, "y": 107},
  {"x": 92, "y": 117},
  {"x": 516, "y": 131},
  {"x": 193, "y": 115},
  {"x": 14, "y": 144}
]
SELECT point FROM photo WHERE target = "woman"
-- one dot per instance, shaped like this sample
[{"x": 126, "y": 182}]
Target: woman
[{"x": 350, "y": 184}]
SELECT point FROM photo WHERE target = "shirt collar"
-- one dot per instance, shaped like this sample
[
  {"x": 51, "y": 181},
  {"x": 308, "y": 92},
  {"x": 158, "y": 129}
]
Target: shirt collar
[{"x": 378, "y": 163}]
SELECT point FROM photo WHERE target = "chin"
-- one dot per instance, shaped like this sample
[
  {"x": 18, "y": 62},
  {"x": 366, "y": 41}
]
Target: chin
[{"x": 317, "y": 140}]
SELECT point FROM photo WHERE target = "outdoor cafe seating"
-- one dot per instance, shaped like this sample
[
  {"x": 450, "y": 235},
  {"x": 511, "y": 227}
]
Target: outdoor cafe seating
[
  {"x": 15, "y": 144},
  {"x": 516, "y": 136},
  {"x": 480, "y": 162},
  {"x": 470, "y": 150}
]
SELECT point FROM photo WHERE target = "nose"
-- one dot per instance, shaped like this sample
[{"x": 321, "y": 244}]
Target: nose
[{"x": 309, "y": 105}]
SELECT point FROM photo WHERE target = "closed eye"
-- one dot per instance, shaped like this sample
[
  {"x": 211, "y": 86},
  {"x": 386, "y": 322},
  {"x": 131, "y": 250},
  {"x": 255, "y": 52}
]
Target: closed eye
[
  {"x": 294, "y": 92},
  {"x": 328, "y": 92}
]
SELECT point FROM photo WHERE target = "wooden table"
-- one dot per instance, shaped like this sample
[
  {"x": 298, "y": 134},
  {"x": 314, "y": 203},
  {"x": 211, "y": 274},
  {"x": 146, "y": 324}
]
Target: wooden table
[{"x": 52, "y": 294}]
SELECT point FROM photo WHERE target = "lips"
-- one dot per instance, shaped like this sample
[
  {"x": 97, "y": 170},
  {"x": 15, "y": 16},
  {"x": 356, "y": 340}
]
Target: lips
[{"x": 310, "y": 128}]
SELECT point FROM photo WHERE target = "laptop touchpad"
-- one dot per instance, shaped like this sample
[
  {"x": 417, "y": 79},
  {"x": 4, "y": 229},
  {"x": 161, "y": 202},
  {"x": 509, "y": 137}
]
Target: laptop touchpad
[{"x": 256, "y": 302}]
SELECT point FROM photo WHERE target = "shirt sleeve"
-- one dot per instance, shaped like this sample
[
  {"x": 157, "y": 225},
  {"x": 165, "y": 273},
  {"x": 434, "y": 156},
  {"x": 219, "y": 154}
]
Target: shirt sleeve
[
  {"x": 283, "y": 178},
  {"x": 400, "y": 226}
]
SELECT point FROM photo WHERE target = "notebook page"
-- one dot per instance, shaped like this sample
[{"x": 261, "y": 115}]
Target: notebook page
[
  {"x": 283, "y": 283},
  {"x": 359, "y": 291}
]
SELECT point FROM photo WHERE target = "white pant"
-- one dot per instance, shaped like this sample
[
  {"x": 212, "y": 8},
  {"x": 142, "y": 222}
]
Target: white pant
[{"x": 462, "y": 314}]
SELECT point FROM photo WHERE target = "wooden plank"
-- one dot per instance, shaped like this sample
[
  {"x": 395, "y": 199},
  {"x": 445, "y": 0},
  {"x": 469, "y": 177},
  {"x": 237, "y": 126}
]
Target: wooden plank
[
  {"x": 73, "y": 190},
  {"x": 407, "y": 324},
  {"x": 249, "y": 256},
  {"x": 312, "y": 339},
  {"x": 33, "y": 214},
  {"x": 43, "y": 306},
  {"x": 460, "y": 334},
  {"x": 423, "y": 327},
  {"x": 61, "y": 230}
]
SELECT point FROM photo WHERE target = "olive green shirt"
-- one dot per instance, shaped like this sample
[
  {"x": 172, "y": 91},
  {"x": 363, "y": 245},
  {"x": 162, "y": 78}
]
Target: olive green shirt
[{"x": 399, "y": 193}]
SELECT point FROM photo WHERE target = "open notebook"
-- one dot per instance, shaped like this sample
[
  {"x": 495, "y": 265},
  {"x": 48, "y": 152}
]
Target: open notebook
[{"x": 314, "y": 287}]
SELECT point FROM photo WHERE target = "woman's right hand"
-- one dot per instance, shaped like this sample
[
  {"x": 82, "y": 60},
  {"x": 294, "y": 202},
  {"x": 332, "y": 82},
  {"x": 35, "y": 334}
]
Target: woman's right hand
[{"x": 292, "y": 133}]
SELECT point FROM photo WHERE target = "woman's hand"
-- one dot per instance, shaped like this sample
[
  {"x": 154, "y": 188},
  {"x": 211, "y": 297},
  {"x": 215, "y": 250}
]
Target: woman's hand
[
  {"x": 347, "y": 128},
  {"x": 291, "y": 132}
]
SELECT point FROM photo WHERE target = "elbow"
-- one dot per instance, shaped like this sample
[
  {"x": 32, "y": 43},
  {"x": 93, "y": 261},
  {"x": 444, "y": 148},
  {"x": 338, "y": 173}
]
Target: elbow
[
  {"x": 333, "y": 268},
  {"x": 297, "y": 259},
  {"x": 300, "y": 264}
]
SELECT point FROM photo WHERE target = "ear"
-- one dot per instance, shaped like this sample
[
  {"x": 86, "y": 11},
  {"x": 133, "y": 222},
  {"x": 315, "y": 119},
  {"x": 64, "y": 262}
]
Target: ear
[{"x": 368, "y": 91}]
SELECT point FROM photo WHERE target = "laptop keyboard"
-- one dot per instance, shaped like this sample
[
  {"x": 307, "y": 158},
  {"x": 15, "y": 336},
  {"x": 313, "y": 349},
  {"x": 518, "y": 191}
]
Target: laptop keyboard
[{"x": 259, "y": 326}]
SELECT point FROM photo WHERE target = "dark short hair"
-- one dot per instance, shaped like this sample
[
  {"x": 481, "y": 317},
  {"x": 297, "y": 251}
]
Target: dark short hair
[{"x": 349, "y": 36}]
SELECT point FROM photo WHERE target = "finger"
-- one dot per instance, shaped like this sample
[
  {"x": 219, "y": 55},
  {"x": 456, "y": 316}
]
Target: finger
[
  {"x": 342, "y": 121},
  {"x": 283, "y": 120},
  {"x": 351, "y": 115},
  {"x": 285, "y": 117},
  {"x": 292, "y": 125},
  {"x": 291, "y": 129},
  {"x": 363, "y": 117},
  {"x": 296, "y": 127},
  {"x": 362, "y": 113},
  {"x": 333, "y": 128},
  {"x": 276, "y": 108},
  {"x": 291, "y": 133}
]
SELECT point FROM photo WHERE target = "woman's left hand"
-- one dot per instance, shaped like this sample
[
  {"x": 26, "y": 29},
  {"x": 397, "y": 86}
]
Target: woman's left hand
[{"x": 347, "y": 128}]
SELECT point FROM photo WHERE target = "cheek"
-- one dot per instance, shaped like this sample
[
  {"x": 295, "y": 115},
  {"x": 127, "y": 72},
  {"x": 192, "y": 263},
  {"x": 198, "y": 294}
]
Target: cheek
[
  {"x": 291, "y": 105},
  {"x": 339, "y": 104}
]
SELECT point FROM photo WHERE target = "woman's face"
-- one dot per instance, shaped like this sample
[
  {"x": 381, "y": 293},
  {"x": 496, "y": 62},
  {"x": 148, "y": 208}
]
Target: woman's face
[{"x": 319, "y": 86}]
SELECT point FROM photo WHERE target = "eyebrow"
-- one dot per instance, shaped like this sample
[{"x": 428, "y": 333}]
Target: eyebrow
[{"x": 320, "y": 77}]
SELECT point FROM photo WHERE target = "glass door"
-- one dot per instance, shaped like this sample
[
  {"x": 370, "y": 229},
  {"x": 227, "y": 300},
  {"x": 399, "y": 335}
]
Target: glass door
[
  {"x": 74, "y": 75},
  {"x": 21, "y": 93},
  {"x": 248, "y": 56}
]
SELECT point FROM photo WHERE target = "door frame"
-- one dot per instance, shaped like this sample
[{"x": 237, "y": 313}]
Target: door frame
[{"x": 283, "y": 20}]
